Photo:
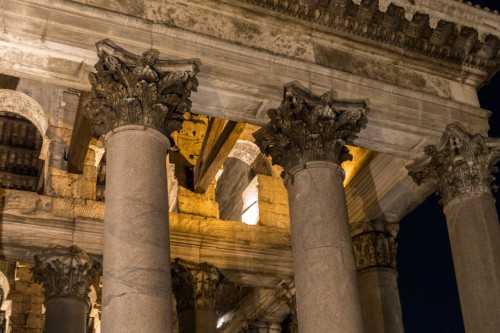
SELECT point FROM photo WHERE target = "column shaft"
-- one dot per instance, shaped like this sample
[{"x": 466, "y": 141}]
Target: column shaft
[
  {"x": 461, "y": 165},
  {"x": 137, "y": 283},
  {"x": 65, "y": 315},
  {"x": 325, "y": 275},
  {"x": 206, "y": 321},
  {"x": 380, "y": 303},
  {"x": 475, "y": 243}
]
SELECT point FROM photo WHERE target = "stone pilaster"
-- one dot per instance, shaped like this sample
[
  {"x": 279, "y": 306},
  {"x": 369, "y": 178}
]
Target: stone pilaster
[
  {"x": 66, "y": 274},
  {"x": 195, "y": 290},
  {"x": 461, "y": 165},
  {"x": 306, "y": 135},
  {"x": 375, "y": 246},
  {"x": 137, "y": 102}
]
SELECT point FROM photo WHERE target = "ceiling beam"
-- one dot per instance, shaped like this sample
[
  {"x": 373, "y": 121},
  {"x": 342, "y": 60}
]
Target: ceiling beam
[
  {"x": 80, "y": 137},
  {"x": 219, "y": 140}
]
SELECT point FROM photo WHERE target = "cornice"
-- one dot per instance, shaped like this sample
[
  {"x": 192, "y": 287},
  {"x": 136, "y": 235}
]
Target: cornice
[{"x": 442, "y": 29}]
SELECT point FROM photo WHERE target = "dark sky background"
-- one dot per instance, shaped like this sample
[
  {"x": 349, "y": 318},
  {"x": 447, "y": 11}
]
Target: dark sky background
[{"x": 427, "y": 285}]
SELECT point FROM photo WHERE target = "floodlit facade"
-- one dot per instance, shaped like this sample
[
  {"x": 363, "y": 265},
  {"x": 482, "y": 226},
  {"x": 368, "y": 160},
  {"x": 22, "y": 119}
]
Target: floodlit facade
[{"x": 239, "y": 166}]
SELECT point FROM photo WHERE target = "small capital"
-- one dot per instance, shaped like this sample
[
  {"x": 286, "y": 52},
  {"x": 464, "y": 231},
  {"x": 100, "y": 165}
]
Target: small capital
[
  {"x": 195, "y": 285},
  {"x": 461, "y": 164},
  {"x": 128, "y": 89},
  {"x": 65, "y": 272},
  {"x": 374, "y": 244},
  {"x": 308, "y": 128}
]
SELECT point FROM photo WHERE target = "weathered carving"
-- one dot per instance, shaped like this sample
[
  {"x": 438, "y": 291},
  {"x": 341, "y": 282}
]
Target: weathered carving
[
  {"x": 310, "y": 128},
  {"x": 65, "y": 272},
  {"x": 374, "y": 244},
  {"x": 144, "y": 90},
  {"x": 400, "y": 23},
  {"x": 462, "y": 163},
  {"x": 286, "y": 292},
  {"x": 195, "y": 285}
]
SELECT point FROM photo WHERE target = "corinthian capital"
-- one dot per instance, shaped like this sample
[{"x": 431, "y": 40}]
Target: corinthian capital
[
  {"x": 374, "y": 244},
  {"x": 309, "y": 128},
  {"x": 128, "y": 89},
  {"x": 65, "y": 272},
  {"x": 195, "y": 285},
  {"x": 462, "y": 163}
]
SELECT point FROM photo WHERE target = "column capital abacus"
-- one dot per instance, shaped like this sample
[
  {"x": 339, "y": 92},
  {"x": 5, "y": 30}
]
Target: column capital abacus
[
  {"x": 374, "y": 244},
  {"x": 128, "y": 89},
  {"x": 65, "y": 271},
  {"x": 195, "y": 285},
  {"x": 461, "y": 164},
  {"x": 307, "y": 128}
]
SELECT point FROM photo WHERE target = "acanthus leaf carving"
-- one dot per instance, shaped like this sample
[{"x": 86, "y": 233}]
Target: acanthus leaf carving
[
  {"x": 374, "y": 244},
  {"x": 65, "y": 272},
  {"x": 141, "y": 90},
  {"x": 309, "y": 128},
  {"x": 461, "y": 164},
  {"x": 201, "y": 280}
]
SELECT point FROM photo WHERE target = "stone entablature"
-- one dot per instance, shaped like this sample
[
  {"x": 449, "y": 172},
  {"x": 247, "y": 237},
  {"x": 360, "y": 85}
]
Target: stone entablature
[
  {"x": 461, "y": 164},
  {"x": 439, "y": 30}
]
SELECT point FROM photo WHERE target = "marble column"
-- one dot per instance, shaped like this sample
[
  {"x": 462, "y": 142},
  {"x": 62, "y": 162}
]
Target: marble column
[
  {"x": 374, "y": 244},
  {"x": 461, "y": 165},
  {"x": 195, "y": 290},
  {"x": 137, "y": 102},
  {"x": 66, "y": 274},
  {"x": 307, "y": 136}
]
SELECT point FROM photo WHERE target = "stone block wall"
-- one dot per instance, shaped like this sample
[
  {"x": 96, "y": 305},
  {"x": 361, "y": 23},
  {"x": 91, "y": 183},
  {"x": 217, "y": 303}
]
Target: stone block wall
[{"x": 27, "y": 302}]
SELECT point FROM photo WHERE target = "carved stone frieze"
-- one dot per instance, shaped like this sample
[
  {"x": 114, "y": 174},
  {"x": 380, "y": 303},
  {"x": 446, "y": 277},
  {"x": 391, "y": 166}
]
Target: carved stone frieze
[
  {"x": 410, "y": 25},
  {"x": 374, "y": 244},
  {"x": 462, "y": 163},
  {"x": 66, "y": 272},
  {"x": 286, "y": 292},
  {"x": 128, "y": 89},
  {"x": 195, "y": 285},
  {"x": 308, "y": 128}
]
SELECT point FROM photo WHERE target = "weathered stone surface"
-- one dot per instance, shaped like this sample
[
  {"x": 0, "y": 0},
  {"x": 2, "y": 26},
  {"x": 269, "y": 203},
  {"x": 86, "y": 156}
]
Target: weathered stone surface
[
  {"x": 139, "y": 90},
  {"x": 399, "y": 116},
  {"x": 374, "y": 244},
  {"x": 273, "y": 202},
  {"x": 327, "y": 290},
  {"x": 27, "y": 298},
  {"x": 461, "y": 164},
  {"x": 198, "y": 204},
  {"x": 136, "y": 226},
  {"x": 65, "y": 272},
  {"x": 308, "y": 128}
]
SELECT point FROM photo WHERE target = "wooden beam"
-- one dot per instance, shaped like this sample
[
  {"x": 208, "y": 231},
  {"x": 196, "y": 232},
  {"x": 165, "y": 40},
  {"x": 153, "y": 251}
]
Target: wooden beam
[
  {"x": 80, "y": 137},
  {"x": 217, "y": 144}
]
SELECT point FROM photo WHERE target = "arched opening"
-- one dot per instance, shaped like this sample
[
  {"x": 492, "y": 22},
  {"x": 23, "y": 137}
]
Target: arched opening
[
  {"x": 23, "y": 141},
  {"x": 236, "y": 191},
  {"x": 20, "y": 148}
]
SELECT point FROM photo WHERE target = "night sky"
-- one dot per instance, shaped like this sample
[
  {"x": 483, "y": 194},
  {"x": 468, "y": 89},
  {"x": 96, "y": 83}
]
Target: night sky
[{"x": 427, "y": 286}]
